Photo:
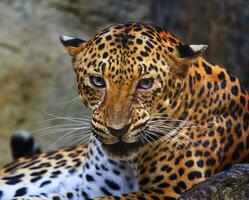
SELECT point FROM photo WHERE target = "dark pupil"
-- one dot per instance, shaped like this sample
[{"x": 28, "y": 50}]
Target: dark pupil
[
  {"x": 98, "y": 81},
  {"x": 146, "y": 83}
]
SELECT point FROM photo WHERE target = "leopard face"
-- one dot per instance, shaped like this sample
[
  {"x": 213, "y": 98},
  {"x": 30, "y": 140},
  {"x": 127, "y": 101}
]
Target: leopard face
[{"x": 127, "y": 75}]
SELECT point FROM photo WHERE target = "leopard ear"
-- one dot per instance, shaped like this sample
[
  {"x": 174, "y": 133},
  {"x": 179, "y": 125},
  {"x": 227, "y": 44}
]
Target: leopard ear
[
  {"x": 183, "y": 56},
  {"x": 72, "y": 45},
  {"x": 190, "y": 52}
]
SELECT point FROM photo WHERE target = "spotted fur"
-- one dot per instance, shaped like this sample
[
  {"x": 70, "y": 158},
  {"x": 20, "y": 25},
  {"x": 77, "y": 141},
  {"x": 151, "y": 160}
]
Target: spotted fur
[{"x": 163, "y": 119}]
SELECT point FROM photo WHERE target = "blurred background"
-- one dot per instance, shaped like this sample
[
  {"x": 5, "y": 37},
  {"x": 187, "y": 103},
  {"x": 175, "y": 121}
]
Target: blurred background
[{"x": 36, "y": 78}]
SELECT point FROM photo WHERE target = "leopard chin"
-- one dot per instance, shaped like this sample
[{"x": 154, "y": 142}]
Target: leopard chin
[{"x": 122, "y": 150}]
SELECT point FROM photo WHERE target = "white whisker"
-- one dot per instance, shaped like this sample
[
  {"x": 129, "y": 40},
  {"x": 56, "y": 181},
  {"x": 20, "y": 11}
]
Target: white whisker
[
  {"x": 58, "y": 139},
  {"x": 56, "y": 127}
]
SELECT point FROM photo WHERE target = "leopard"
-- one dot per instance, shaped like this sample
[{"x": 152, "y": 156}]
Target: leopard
[{"x": 163, "y": 119}]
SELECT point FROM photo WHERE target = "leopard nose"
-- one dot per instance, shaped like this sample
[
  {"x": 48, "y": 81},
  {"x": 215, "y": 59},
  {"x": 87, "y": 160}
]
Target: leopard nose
[{"x": 119, "y": 132}]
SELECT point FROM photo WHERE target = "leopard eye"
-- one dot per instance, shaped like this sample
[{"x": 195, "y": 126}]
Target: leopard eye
[
  {"x": 97, "y": 81},
  {"x": 145, "y": 84}
]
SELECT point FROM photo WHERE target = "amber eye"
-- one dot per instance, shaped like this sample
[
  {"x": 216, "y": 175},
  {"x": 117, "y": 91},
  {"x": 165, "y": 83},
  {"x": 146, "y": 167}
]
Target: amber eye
[
  {"x": 145, "y": 84},
  {"x": 97, "y": 81}
]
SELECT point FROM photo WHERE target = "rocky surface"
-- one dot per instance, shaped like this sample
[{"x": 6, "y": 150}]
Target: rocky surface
[{"x": 232, "y": 184}]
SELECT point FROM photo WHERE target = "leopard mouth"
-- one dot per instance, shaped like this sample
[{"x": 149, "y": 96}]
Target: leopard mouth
[{"x": 121, "y": 148}]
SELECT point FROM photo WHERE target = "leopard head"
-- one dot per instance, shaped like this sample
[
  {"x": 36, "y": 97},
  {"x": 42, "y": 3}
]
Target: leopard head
[{"x": 128, "y": 75}]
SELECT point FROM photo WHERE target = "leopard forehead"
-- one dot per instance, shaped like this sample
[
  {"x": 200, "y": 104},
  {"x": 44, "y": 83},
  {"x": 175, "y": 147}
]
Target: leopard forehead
[{"x": 127, "y": 51}]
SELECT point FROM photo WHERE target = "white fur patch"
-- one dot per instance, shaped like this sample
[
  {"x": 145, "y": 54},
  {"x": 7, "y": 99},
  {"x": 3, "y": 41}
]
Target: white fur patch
[{"x": 66, "y": 38}]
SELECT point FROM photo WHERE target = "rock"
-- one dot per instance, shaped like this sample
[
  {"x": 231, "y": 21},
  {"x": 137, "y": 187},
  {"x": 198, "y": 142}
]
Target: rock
[{"x": 232, "y": 184}]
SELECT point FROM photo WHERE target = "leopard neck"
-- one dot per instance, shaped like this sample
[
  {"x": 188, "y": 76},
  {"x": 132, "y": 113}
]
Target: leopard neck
[{"x": 104, "y": 175}]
